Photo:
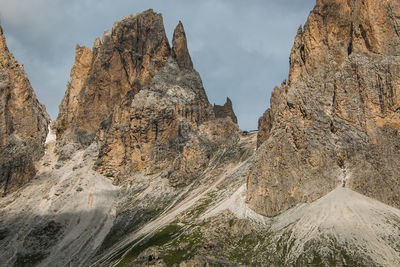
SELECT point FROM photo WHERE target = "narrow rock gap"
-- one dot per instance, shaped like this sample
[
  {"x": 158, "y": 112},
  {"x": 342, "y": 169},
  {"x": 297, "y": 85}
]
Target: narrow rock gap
[
  {"x": 350, "y": 47},
  {"x": 379, "y": 86},
  {"x": 7, "y": 182},
  {"x": 365, "y": 38}
]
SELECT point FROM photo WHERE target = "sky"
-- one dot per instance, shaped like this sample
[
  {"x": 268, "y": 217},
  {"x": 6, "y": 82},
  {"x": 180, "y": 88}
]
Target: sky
[{"x": 240, "y": 47}]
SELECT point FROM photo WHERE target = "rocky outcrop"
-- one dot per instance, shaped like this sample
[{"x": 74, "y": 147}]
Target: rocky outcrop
[
  {"x": 23, "y": 123},
  {"x": 336, "y": 122},
  {"x": 264, "y": 127},
  {"x": 179, "y": 48},
  {"x": 225, "y": 111},
  {"x": 151, "y": 131},
  {"x": 142, "y": 102},
  {"x": 119, "y": 65},
  {"x": 165, "y": 127}
]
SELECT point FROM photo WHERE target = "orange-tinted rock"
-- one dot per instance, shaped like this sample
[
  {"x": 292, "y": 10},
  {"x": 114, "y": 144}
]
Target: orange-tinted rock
[
  {"x": 23, "y": 123},
  {"x": 264, "y": 127},
  {"x": 180, "y": 51},
  {"x": 225, "y": 111},
  {"x": 337, "y": 121},
  {"x": 150, "y": 130},
  {"x": 120, "y": 64},
  {"x": 141, "y": 102}
]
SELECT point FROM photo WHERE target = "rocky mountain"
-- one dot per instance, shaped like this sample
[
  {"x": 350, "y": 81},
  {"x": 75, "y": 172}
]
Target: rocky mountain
[
  {"x": 135, "y": 114},
  {"x": 123, "y": 61},
  {"x": 141, "y": 170},
  {"x": 335, "y": 123},
  {"x": 225, "y": 111},
  {"x": 142, "y": 102},
  {"x": 23, "y": 123}
]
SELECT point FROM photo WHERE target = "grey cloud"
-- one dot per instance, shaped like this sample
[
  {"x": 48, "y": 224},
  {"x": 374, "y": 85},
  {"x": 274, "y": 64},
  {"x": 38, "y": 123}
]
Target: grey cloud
[{"x": 240, "y": 48}]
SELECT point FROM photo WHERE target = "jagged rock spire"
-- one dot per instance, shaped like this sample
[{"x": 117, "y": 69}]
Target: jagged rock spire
[
  {"x": 142, "y": 102},
  {"x": 123, "y": 62},
  {"x": 225, "y": 111},
  {"x": 179, "y": 48}
]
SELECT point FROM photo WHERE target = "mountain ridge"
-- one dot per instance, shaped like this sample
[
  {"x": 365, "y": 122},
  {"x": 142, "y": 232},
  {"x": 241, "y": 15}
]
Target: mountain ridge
[{"x": 141, "y": 170}]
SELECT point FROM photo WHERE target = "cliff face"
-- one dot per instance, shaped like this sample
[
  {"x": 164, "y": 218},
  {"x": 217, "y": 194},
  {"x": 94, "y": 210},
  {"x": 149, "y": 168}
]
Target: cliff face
[
  {"x": 337, "y": 121},
  {"x": 23, "y": 123},
  {"x": 225, "y": 111},
  {"x": 331, "y": 130},
  {"x": 142, "y": 103},
  {"x": 122, "y": 62}
]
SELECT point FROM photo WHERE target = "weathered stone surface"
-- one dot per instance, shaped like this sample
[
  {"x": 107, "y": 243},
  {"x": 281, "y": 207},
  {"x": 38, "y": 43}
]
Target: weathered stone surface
[
  {"x": 148, "y": 130},
  {"x": 167, "y": 127},
  {"x": 337, "y": 121},
  {"x": 225, "y": 111},
  {"x": 264, "y": 127},
  {"x": 120, "y": 64},
  {"x": 179, "y": 48},
  {"x": 23, "y": 123},
  {"x": 142, "y": 102}
]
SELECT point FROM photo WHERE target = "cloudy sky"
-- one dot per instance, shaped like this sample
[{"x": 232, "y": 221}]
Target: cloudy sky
[{"x": 240, "y": 47}]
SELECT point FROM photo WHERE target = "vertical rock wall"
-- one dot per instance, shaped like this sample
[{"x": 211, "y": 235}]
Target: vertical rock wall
[
  {"x": 23, "y": 123},
  {"x": 337, "y": 121}
]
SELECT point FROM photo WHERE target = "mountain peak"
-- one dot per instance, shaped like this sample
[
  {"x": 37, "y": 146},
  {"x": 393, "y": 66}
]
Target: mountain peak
[
  {"x": 179, "y": 48},
  {"x": 225, "y": 111}
]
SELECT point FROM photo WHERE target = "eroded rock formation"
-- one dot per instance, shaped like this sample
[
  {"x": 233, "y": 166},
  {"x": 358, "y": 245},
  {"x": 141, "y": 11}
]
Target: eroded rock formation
[
  {"x": 225, "y": 111},
  {"x": 120, "y": 64},
  {"x": 23, "y": 123},
  {"x": 142, "y": 102},
  {"x": 179, "y": 48},
  {"x": 337, "y": 121}
]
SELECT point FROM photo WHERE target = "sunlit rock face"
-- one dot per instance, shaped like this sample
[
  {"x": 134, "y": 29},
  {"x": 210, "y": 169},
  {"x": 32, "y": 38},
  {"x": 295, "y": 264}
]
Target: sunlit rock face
[
  {"x": 122, "y": 62},
  {"x": 23, "y": 123},
  {"x": 336, "y": 121},
  {"x": 141, "y": 102}
]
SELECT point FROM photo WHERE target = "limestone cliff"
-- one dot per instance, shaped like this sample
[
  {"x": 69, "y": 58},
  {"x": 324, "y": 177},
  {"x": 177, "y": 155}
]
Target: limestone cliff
[
  {"x": 164, "y": 133},
  {"x": 142, "y": 102},
  {"x": 225, "y": 111},
  {"x": 337, "y": 121},
  {"x": 23, "y": 123},
  {"x": 120, "y": 64}
]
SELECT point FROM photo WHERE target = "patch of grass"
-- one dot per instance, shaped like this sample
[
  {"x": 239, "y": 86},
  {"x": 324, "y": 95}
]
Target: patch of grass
[
  {"x": 158, "y": 239},
  {"x": 174, "y": 254},
  {"x": 244, "y": 251},
  {"x": 174, "y": 257}
]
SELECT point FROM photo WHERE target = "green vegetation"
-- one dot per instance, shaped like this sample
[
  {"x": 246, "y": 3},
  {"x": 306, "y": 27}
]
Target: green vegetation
[
  {"x": 158, "y": 239},
  {"x": 176, "y": 252},
  {"x": 244, "y": 251}
]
